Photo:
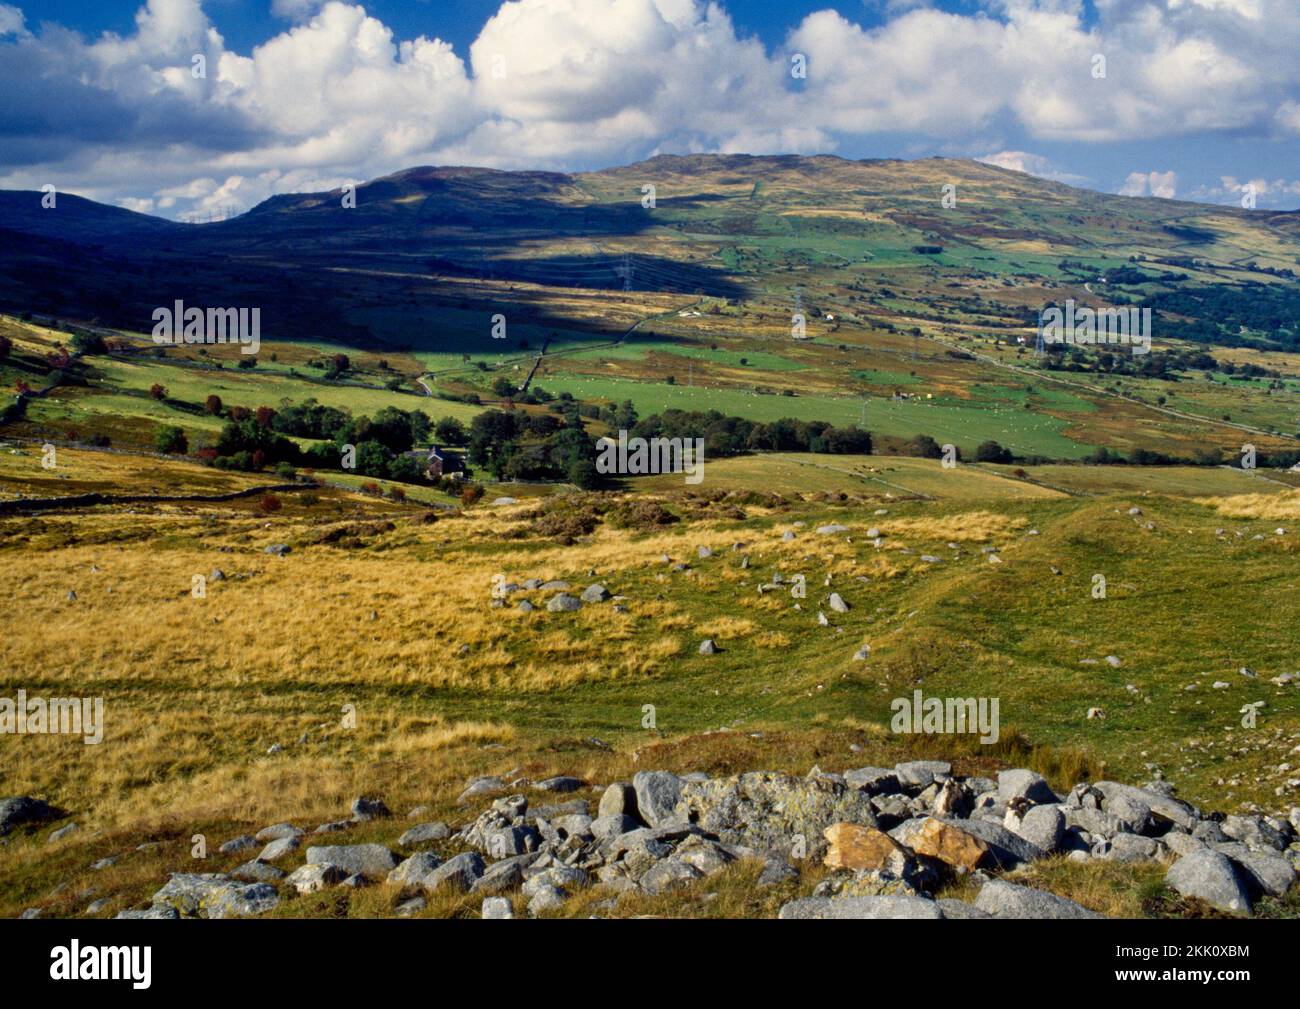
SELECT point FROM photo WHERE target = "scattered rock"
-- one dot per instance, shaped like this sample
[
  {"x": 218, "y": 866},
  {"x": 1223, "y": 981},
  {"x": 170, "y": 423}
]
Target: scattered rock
[
  {"x": 1008, "y": 900},
  {"x": 373, "y": 861},
  {"x": 1211, "y": 877}
]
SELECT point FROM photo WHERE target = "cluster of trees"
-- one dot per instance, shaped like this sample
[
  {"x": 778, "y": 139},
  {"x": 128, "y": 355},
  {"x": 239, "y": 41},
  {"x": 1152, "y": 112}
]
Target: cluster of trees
[
  {"x": 725, "y": 436},
  {"x": 1220, "y": 314},
  {"x": 254, "y": 439},
  {"x": 514, "y": 445}
]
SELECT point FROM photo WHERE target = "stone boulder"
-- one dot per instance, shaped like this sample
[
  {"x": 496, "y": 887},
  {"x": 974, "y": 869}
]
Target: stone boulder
[
  {"x": 813, "y": 908},
  {"x": 1009, "y": 900},
  {"x": 1211, "y": 877},
  {"x": 853, "y": 846},
  {"x": 772, "y": 812},
  {"x": 373, "y": 861}
]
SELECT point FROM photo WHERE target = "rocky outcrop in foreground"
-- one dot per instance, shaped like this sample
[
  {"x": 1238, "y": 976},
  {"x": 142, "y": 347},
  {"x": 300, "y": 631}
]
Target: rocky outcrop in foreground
[{"x": 891, "y": 836}]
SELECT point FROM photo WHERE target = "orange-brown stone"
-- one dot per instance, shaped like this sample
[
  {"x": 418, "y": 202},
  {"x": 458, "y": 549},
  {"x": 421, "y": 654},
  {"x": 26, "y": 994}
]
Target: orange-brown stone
[{"x": 853, "y": 846}]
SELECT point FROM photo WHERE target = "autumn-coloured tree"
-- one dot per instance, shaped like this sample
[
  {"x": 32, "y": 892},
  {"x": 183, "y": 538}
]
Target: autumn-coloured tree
[
  {"x": 157, "y": 391},
  {"x": 213, "y": 405}
]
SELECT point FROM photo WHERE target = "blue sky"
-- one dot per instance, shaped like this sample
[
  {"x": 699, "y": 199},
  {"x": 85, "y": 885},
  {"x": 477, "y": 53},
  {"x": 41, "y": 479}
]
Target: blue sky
[{"x": 1197, "y": 99}]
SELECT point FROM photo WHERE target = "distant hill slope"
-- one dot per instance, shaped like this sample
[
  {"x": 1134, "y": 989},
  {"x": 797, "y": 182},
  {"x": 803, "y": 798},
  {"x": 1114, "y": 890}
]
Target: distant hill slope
[{"x": 734, "y": 226}]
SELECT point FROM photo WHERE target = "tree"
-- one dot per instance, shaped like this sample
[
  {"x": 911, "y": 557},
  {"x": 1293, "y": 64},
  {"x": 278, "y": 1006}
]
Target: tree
[
  {"x": 171, "y": 440},
  {"x": 157, "y": 391},
  {"x": 925, "y": 447},
  {"x": 88, "y": 343},
  {"x": 213, "y": 405},
  {"x": 584, "y": 474},
  {"x": 991, "y": 451},
  {"x": 450, "y": 431},
  {"x": 6, "y": 347}
]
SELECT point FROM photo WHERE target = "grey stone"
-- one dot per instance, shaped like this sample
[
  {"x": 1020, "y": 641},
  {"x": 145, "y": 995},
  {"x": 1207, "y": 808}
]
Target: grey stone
[
  {"x": 500, "y": 876},
  {"x": 244, "y": 901},
  {"x": 312, "y": 878},
  {"x": 669, "y": 874},
  {"x": 64, "y": 831},
  {"x": 497, "y": 907},
  {"x": 280, "y": 848},
  {"x": 21, "y": 810},
  {"x": 838, "y": 604},
  {"x": 1182, "y": 844},
  {"x": 459, "y": 872},
  {"x": 605, "y": 827},
  {"x": 708, "y": 647},
  {"x": 481, "y": 786},
  {"x": 595, "y": 594},
  {"x": 1269, "y": 873},
  {"x": 236, "y": 844},
  {"x": 1022, "y": 783},
  {"x": 257, "y": 871},
  {"x": 1132, "y": 848},
  {"x": 561, "y": 877},
  {"x": 1211, "y": 877},
  {"x": 575, "y": 825},
  {"x": 1209, "y": 832},
  {"x": 1009, "y": 900},
  {"x": 423, "y": 833},
  {"x": 373, "y": 861},
  {"x": 860, "y": 907},
  {"x": 563, "y": 603},
  {"x": 413, "y": 906},
  {"x": 155, "y": 911},
  {"x": 1043, "y": 826},
  {"x": 657, "y": 795},
  {"x": 1254, "y": 832},
  {"x": 1007, "y": 849},
  {"x": 873, "y": 780},
  {"x": 414, "y": 870},
  {"x": 619, "y": 797},
  {"x": 1133, "y": 814},
  {"x": 547, "y": 898},
  {"x": 764, "y": 811},
  {"x": 277, "y": 832},
  {"x": 215, "y": 895},
  {"x": 921, "y": 773},
  {"x": 364, "y": 810},
  {"x": 953, "y": 908},
  {"x": 1162, "y": 807},
  {"x": 561, "y": 783},
  {"x": 776, "y": 870}
]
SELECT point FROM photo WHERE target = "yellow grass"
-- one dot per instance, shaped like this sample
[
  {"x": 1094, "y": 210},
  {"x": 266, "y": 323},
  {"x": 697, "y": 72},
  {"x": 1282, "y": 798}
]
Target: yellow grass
[{"x": 1259, "y": 506}]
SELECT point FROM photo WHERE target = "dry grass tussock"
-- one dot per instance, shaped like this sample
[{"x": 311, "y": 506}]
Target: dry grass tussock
[{"x": 1272, "y": 507}]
